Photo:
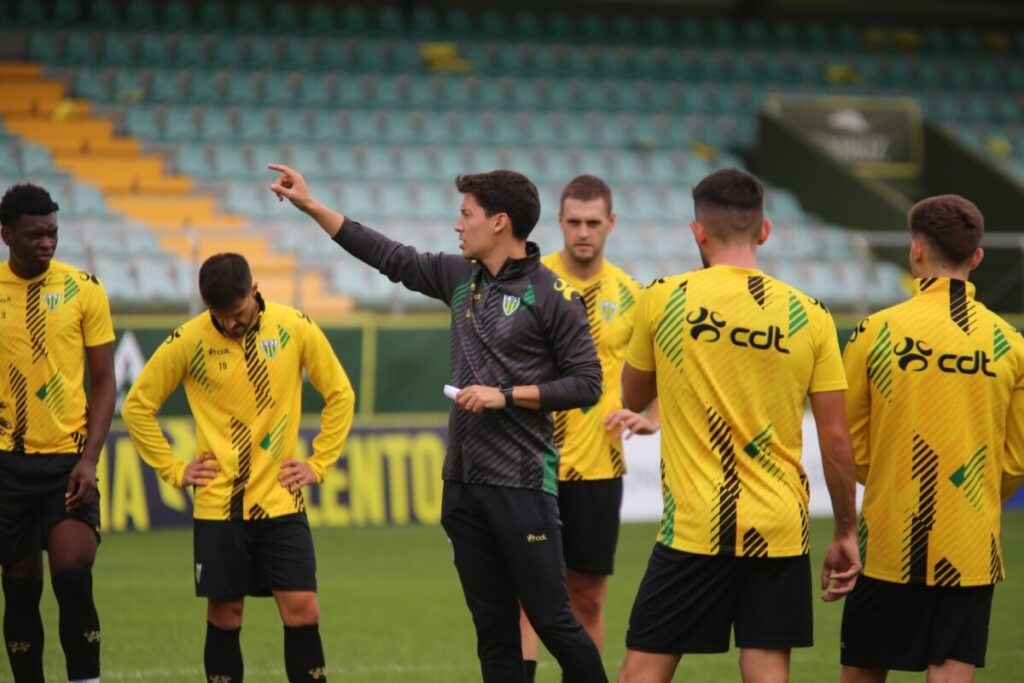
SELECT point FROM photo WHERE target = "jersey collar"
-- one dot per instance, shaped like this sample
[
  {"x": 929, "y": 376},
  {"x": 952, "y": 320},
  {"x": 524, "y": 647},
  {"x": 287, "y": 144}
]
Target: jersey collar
[
  {"x": 515, "y": 268},
  {"x": 941, "y": 285}
]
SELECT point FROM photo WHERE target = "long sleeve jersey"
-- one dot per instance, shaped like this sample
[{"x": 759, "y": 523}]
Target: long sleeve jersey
[
  {"x": 523, "y": 326},
  {"x": 246, "y": 396}
]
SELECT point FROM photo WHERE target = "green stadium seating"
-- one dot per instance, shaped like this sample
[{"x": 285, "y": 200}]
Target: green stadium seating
[
  {"x": 284, "y": 18},
  {"x": 248, "y": 17},
  {"x": 179, "y": 124},
  {"x": 176, "y": 16},
  {"x": 66, "y": 12},
  {"x": 138, "y": 15},
  {"x": 354, "y": 20},
  {"x": 29, "y": 13},
  {"x": 79, "y": 49}
]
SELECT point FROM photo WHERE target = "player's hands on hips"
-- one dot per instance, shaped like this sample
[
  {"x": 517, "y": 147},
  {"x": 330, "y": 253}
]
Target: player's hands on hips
[
  {"x": 201, "y": 471},
  {"x": 292, "y": 186},
  {"x": 478, "y": 398},
  {"x": 5, "y": 426},
  {"x": 842, "y": 565},
  {"x": 81, "y": 485},
  {"x": 294, "y": 475},
  {"x": 636, "y": 423}
]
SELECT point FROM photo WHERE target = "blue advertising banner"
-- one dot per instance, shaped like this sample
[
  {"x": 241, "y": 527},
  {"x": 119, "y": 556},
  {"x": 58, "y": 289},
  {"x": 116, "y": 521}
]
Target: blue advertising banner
[{"x": 385, "y": 476}]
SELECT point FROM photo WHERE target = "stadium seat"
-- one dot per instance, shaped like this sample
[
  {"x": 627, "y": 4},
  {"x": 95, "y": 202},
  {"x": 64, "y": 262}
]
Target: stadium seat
[
  {"x": 216, "y": 124},
  {"x": 138, "y": 15},
  {"x": 29, "y": 13},
  {"x": 79, "y": 48},
  {"x": 179, "y": 124},
  {"x": 116, "y": 49},
  {"x": 117, "y": 278},
  {"x": 104, "y": 13}
]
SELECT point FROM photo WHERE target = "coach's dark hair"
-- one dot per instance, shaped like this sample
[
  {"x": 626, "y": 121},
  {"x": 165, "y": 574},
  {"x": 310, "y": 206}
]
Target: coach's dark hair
[
  {"x": 950, "y": 223},
  {"x": 586, "y": 188},
  {"x": 224, "y": 279},
  {"x": 25, "y": 199},
  {"x": 507, "y": 192},
  {"x": 729, "y": 201}
]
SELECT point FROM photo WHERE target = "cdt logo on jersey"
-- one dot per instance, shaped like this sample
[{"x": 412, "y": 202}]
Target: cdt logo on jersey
[
  {"x": 509, "y": 304},
  {"x": 269, "y": 347},
  {"x": 52, "y": 301},
  {"x": 608, "y": 309}
]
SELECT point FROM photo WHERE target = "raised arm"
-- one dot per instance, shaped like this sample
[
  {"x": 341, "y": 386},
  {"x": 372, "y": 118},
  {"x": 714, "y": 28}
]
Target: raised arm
[{"x": 434, "y": 275}]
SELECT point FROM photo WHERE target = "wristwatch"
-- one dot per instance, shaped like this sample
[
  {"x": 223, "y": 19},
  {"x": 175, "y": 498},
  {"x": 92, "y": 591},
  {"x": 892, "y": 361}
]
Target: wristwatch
[{"x": 507, "y": 391}]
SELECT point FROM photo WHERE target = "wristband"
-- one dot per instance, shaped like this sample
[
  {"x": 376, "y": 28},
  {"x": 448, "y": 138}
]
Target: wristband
[{"x": 507, "y": 392}]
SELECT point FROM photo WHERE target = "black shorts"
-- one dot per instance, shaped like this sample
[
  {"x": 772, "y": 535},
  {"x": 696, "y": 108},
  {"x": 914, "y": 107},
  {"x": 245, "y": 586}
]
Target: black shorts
[
  {"x": 687, "y": 603},
  {"x": 236, "y": 558},
  {"x": 32, "y": 489},
  {"x": 590, "y": 524},
  {"x": 908, "y": 627}
]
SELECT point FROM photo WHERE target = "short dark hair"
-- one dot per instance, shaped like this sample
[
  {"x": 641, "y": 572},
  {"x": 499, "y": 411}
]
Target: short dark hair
[
  {"x": 729, "y": 201},
  {"x": 950, "y": 223},
  {"x": 504, "y": 191},
  {"x": 224, "y": 279},
  {"x": 25, "y": 199},
  {"x": 586, "y": 188}
]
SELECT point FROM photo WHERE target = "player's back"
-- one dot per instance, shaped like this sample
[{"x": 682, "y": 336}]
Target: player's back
[
  {"x": 736, "y": 353},
  {"x": 931, "y": 381}
]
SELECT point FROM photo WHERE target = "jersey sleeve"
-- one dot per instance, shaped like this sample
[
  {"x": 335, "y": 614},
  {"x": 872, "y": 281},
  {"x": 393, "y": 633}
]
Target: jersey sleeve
[
  {"x": 329, "y": 379},
  {"x": 160, "y": 376},
  {"x": 97, "y": 325},
  {"x": 1013, "y": 450},
  {"x": 828, "y": 374},
  {"x": 435, "y": 275},
  {"x": 579, "y": 381},
  {"x": 858, "y": 399},
  {"x": 640, "y": 352}
]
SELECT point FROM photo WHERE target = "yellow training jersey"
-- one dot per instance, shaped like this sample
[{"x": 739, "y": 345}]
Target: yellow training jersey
[
  {"x": 45, "y": 325},
  {"x": 245, "y": 395},
  {"x": 588, "y": 450},
  {"x": 735, "y": 353},
  {"x": 935, "y": 406}
]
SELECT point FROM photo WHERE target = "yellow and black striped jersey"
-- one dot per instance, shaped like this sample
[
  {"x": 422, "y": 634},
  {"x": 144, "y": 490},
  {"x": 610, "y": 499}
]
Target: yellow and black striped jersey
[
  {"x": 935, "y": 406},
  {"x": 736, "y": 354},
  {"x": 46, "y": 323},
  {"x": 245, "y": 395},
  {"x": 587, "y": 450}
]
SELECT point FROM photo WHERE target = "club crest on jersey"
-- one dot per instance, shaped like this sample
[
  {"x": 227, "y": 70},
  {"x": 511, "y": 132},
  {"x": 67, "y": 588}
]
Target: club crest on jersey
[
  {"x": 52, "y": 301},
  {"x": 269, "y": 347},
  {"x": 510, "y": 304},
  {"x": 608, "y": 310}
]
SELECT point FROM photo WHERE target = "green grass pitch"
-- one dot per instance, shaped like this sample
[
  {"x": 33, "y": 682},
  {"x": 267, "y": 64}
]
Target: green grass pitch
[{"x": 392, "y": 610}]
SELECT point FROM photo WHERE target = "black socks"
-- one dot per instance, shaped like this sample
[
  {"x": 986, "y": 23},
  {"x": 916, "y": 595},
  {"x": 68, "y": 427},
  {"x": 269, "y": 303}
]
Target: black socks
[
  {"x": 23, "y": 628},
  {"x": 304, "y": 654}
]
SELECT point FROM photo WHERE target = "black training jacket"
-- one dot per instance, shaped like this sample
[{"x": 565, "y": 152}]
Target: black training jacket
[{"x": 524, "y": 326}]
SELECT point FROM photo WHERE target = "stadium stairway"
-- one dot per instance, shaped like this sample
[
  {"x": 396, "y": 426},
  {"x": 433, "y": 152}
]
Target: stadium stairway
[{"x": 135, "y": 185}]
